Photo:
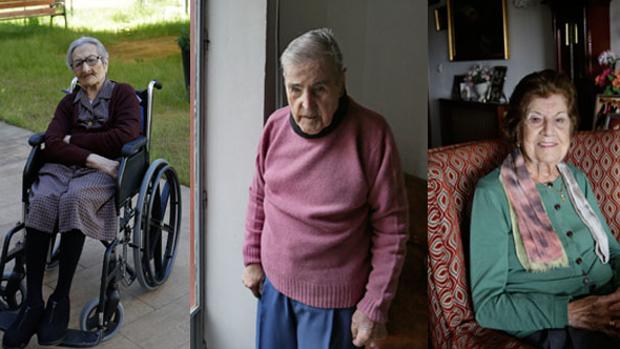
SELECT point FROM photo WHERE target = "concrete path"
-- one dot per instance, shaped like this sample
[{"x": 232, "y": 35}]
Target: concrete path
[{"x": 153, "y": 320}]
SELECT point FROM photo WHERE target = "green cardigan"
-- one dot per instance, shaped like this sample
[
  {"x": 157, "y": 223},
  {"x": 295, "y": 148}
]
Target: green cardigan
[{"x": 509, "y": 298}]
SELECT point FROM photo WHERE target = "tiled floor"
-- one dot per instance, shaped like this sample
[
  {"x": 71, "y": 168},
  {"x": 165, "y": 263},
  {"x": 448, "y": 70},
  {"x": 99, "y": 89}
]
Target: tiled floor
[{"x": 153, "y": 319}]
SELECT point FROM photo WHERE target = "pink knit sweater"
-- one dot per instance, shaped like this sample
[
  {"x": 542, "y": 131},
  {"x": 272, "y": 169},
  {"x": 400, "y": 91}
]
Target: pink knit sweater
[{"x": 327, "y": 216}]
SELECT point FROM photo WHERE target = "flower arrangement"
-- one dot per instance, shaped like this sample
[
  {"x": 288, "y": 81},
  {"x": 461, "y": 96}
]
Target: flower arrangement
[
  {"x": 607, "y": 58},
  {"x": 478, "y": 74},
  {"x": 608, "y": 80}
]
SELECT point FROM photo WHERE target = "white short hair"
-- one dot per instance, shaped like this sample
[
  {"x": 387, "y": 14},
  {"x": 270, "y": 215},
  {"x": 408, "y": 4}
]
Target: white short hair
[
  {"x": 101, "y": 50},
  {"x": 317, "y": 44}
]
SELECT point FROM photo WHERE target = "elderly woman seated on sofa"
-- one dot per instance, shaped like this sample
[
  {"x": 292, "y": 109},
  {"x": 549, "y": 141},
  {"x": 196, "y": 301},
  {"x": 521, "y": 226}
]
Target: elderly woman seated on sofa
[{"x": 543, "y": 260}]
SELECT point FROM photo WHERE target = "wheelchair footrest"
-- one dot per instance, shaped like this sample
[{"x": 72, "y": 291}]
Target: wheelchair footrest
[
  {"x": 6, "y": 319},
  {"x": 81, "y": 339}
]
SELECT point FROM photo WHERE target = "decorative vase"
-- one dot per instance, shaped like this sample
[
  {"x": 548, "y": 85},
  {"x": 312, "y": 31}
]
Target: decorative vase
[{"x": 481, "y": 90}]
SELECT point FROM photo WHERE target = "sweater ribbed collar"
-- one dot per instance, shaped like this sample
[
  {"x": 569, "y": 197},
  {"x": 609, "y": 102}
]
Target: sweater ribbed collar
[{"x": 343, "y": 104}]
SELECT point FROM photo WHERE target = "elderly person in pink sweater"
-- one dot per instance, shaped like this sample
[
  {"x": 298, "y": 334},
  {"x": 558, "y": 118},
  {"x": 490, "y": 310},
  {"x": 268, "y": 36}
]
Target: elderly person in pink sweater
[{"x": 326, "y": 225}]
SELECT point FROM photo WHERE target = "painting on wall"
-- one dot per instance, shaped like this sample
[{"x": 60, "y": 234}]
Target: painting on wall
[{"x": 477, "y": 30}]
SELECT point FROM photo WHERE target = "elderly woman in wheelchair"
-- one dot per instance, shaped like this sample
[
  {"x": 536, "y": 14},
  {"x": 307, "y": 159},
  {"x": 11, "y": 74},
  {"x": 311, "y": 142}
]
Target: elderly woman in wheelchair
[{"x": 78, "y": 191}]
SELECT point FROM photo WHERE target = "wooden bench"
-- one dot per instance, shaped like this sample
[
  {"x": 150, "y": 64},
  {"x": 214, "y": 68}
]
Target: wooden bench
[{"x": 16, "y": 9}]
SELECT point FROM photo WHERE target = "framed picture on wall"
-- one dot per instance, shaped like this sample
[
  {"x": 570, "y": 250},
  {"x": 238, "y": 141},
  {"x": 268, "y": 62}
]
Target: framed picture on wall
[{"x": 477, "y": 30}]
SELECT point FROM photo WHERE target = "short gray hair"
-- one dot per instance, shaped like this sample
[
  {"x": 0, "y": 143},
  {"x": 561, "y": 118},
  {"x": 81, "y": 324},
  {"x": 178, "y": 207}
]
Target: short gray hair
[
  {"x": 314, "y": 45},
  {"x": 84, "y": 40}
]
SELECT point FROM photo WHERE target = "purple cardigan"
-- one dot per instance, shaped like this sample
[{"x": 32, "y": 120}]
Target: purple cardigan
[
  {"x": 327, "y": 216},
  {"x": 122, "y": 126}
]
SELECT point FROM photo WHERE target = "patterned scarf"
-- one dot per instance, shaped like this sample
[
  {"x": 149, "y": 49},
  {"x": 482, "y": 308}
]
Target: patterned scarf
[{"x": 538, "y": 247}]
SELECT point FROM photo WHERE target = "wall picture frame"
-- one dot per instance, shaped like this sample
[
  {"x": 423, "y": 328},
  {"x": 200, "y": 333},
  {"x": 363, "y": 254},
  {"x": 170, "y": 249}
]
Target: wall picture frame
[{"x": 477, "y": 30}]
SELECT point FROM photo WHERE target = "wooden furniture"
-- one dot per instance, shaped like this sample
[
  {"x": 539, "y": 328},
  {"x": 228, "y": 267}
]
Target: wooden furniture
[
  {"x": 15, "y": 9},
  {"x": 408, "y": 317},
  {"x": 466, "y": 121},
  {"x": 582, "y": 33}
]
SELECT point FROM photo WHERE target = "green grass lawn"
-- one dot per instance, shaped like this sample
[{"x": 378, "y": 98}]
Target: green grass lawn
[{"x": 33, "y": 73}]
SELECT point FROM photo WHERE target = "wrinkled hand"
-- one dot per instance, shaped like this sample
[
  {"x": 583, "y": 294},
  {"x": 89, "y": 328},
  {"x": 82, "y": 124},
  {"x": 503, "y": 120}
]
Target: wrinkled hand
[
  {"x": 252, "y": 278},
  {"x": 365, "y": 331},
  {"x": 597, "y": 313},
  {"x": 102, "y": 164}
]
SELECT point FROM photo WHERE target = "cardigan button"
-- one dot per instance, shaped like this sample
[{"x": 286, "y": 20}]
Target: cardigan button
[
  {"x": 586, "y": 280},
  {"x": 557, "y": 206},
  {"x": 579, "y": 260},
  {"x": 569, "y": 233}
]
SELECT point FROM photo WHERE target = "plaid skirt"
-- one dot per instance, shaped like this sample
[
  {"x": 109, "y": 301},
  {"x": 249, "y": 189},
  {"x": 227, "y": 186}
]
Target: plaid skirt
[{"x": 65, "y": 198}]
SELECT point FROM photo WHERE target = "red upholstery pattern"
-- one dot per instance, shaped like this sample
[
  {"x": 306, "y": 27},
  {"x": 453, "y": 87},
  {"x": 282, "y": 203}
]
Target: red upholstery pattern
[
  {"x": 453, "y": 172},
  {"x": 598, "y": 155}
]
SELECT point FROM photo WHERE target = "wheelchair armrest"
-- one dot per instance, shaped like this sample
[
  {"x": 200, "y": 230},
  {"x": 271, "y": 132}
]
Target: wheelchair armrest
[
  {"x": 36, "y": 139},
  {"x": 131, "y": 169},
  {"x": 133, "y": 147},
  {"x": 33, "y": 163}
]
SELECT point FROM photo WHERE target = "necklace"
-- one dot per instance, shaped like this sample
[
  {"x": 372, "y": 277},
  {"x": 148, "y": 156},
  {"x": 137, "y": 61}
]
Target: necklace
[{"x": 559, "y": 191}]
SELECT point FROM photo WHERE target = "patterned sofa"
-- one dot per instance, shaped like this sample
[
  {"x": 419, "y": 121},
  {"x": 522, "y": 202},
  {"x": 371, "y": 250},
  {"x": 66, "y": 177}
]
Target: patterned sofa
[{"x": 452, "y": 175}]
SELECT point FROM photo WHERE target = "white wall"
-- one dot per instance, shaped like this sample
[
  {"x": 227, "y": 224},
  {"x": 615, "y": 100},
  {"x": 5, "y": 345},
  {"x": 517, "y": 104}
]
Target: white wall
[
  {"x": 235, "y": 93},
  {"x": 531, "y": 49},
  {"x": 614, "y": 26},
  {"x": 384, "y": 49}
]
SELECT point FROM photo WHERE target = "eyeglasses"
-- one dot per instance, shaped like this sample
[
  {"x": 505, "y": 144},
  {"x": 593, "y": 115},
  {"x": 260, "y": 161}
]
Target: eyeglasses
[{"x": 90, "y": 60}]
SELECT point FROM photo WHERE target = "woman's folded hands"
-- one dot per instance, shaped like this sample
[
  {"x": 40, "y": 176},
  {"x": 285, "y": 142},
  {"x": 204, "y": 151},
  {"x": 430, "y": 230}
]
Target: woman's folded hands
[
  {"x": 102, "y": 164},
  {"x": 98, "y": 162},
  {"x": 597, "y": 313}
]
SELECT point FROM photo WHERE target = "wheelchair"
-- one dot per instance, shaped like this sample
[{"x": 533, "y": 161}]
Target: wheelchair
[{"x": 148, "y": 205}]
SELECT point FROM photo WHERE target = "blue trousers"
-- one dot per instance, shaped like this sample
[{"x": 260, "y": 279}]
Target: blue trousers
[{"x": 283, "y": 323}]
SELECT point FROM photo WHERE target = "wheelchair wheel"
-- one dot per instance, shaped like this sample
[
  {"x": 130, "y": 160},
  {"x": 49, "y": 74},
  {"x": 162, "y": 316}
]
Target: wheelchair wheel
[
  {"x": 88, "y": 319},
  {"x": 157, "y": 225},
  {"x": 12, "y": 293}
]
